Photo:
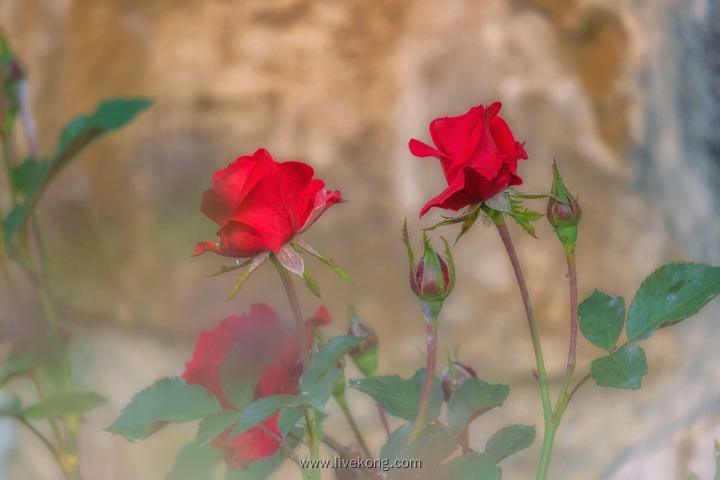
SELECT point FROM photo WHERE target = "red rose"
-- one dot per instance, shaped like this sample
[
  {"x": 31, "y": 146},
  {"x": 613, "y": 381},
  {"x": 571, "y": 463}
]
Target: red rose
[
  {"x": 259, "y": 329},
  {"x": 261, "y": 204},
  {"x": 478, "y": 154}
]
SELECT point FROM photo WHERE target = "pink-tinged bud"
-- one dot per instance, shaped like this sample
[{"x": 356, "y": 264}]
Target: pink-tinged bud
[
  {"x": 433, "y": 278},
  {"x": 563, "y": 211},
  {"x": 365, "y": 354},
  {"x": 454, "y": 375}
]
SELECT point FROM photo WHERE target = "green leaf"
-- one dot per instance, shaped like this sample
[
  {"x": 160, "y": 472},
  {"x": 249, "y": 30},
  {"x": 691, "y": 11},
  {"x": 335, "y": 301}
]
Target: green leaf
[
  {"x": 10, "y": 405},
  {"x": 65, "y": 405},
  {"x": 669, "y": 295},
  {"x": 242, "y": 365},
  {"x": 400, "y": 396},
  {"x": 297, "y": 243},
  {"x": 468, "y": 222},
  {"x": 329, "y": 355},
  {"x": 601, "y": 319},
  {"x": 252, "y": 265},
  {"x": 311, "y": 283},
  {"x": 19, "y": 362},
  {"x": 622, "y": 369},
  {"x": 434, "y": 444},
  {"x": 321, "y": 390},
  {"x": 35, "y": 175},
  {"x": 193, "y": 462},
  {"x": 110, "y": 115},
  {"x": 473, "y": 466},
  {"x": 288, "y": 419},
  {"x": 473, "y": 398},
  {"x": 213, "y": 425},
  {"x": 259, "y": 411},
  {"x": 169, "y": 400},
  {"x": 509, "y": 440},
  {"x": 259, "y": 469},
  {"x": 30, "y": 175}
]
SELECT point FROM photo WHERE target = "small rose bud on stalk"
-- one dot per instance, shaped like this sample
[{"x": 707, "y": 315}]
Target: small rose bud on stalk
[
  {"x": 432, "y": 280},
  {"x": 365, "y": 354},
  {"x": 563, "y": 212},
  {"x": 454, "y": 375}
]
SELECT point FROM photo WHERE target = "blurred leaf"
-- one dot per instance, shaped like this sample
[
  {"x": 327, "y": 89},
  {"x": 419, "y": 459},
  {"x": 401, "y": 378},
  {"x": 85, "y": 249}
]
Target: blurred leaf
[
  {"x": 35, "y": 175},
  {"x": 473, "y": 398},
  {"x": 10, "y": 405},
  {"x": 601, "y": 319},
  {"x": 213, "y": 425},
  {"x": 169, "y": 400},
  {"x": 311, "y": 283},
  {"x": 242, "y": 365},
  {"x": 400, "y": 396},
  {"x": 669, "y": 295},
  {"x": 30, "y": 176},
  {"x": 65, "y": 405},
  {"x": 193, "y": 463},
  {"x": 288, "y": 419},
  {"x": 329, "y": 355},
  {"x": 473, "y": 466},
  {"x": 434, "y": 444},
  {"x": 509, "y": 440},
  {"x": 110, "y": 115},
  {"x": 264, "y": 408},
  {"x": 252, "y": 265},
  {"x": 19, "y": 362},
  {"x": 623, "y": 369},
  {"x": 327, "y": 261}
]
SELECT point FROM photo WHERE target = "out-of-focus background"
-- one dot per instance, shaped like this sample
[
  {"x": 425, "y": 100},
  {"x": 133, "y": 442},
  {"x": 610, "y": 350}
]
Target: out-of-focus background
[{"x": 624, "y": 94}]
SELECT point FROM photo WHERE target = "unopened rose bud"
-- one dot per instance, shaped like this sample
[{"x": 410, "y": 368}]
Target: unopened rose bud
[
  {"x": 454, "y": 375},
  {"x": 365, "y": 354},
  {"x": 563, "y": 211},
  {"x": 433, "y": 278}
]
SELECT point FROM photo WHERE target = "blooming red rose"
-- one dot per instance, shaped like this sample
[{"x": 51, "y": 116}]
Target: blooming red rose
[
  {"x": 261, "y": 204},
  {"x": 259, "y": 330},
  {"x": 478, "y": 154}
]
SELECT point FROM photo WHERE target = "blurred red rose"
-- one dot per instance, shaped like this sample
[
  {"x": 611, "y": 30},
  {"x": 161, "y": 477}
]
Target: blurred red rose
[
  {"x": 259, "y": 329},
  {"x": 478, "y": 154},
  {"x": 261, "y": 204}
]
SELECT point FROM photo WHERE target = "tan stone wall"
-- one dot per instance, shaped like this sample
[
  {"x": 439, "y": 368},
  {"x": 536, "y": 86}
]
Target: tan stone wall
[{"x": 615, "y": 91}]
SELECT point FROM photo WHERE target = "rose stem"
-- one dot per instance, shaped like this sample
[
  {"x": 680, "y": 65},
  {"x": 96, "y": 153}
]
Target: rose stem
[
  {"x": 295, "y": 307},
  {"x": 290, "y": 452},
  {"x": 430, "y": 311},
  {"x": 310, "y": 415},
  {"x": 550, "y": 428},
  {"x": 572, "y": 283},
  {"x": 384, "y": 419},
  {"x": 342, "y": 401}
]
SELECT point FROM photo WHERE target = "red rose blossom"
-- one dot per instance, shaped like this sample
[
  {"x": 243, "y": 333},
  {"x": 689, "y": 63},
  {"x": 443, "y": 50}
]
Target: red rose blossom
[
  {"x": 478, "y": 154},
  {"x": 261, "y": 204},
  {"x": 259, "y": 329}
]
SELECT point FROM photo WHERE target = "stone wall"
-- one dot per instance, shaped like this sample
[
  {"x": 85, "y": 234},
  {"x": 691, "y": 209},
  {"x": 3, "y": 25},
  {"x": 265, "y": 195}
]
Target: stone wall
[{"x": 625, "y": 95}]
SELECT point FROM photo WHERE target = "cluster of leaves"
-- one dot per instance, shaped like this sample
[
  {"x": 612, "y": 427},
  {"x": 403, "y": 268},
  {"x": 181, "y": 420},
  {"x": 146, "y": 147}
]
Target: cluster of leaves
[
  {"x": 669, "y": 295},
  {"x": 174, "y": 400}
]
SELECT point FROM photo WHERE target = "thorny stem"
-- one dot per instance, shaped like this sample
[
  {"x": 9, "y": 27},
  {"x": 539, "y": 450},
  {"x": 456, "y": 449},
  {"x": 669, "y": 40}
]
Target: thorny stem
[
  {"x": 311, "y": 434},
  {"x": 295, "y": 307},
  {"x": 342, "y": 401},
  {"x": 572, "y": 281},
  {"x": 499, "y": 221},
  {"x": 431, "y": 314},
  {"x": 288, "y": 449},
  {"x": 384, "y": 419}
]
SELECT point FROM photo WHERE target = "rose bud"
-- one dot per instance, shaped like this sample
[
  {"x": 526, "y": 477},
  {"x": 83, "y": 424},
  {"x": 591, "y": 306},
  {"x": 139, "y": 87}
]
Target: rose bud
[
  {"x": 454, "y": 375},
  {"x": 433, "y": 278},
  {"x": 563, "y": 211},
  {"x": 365, "y": 354}
]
